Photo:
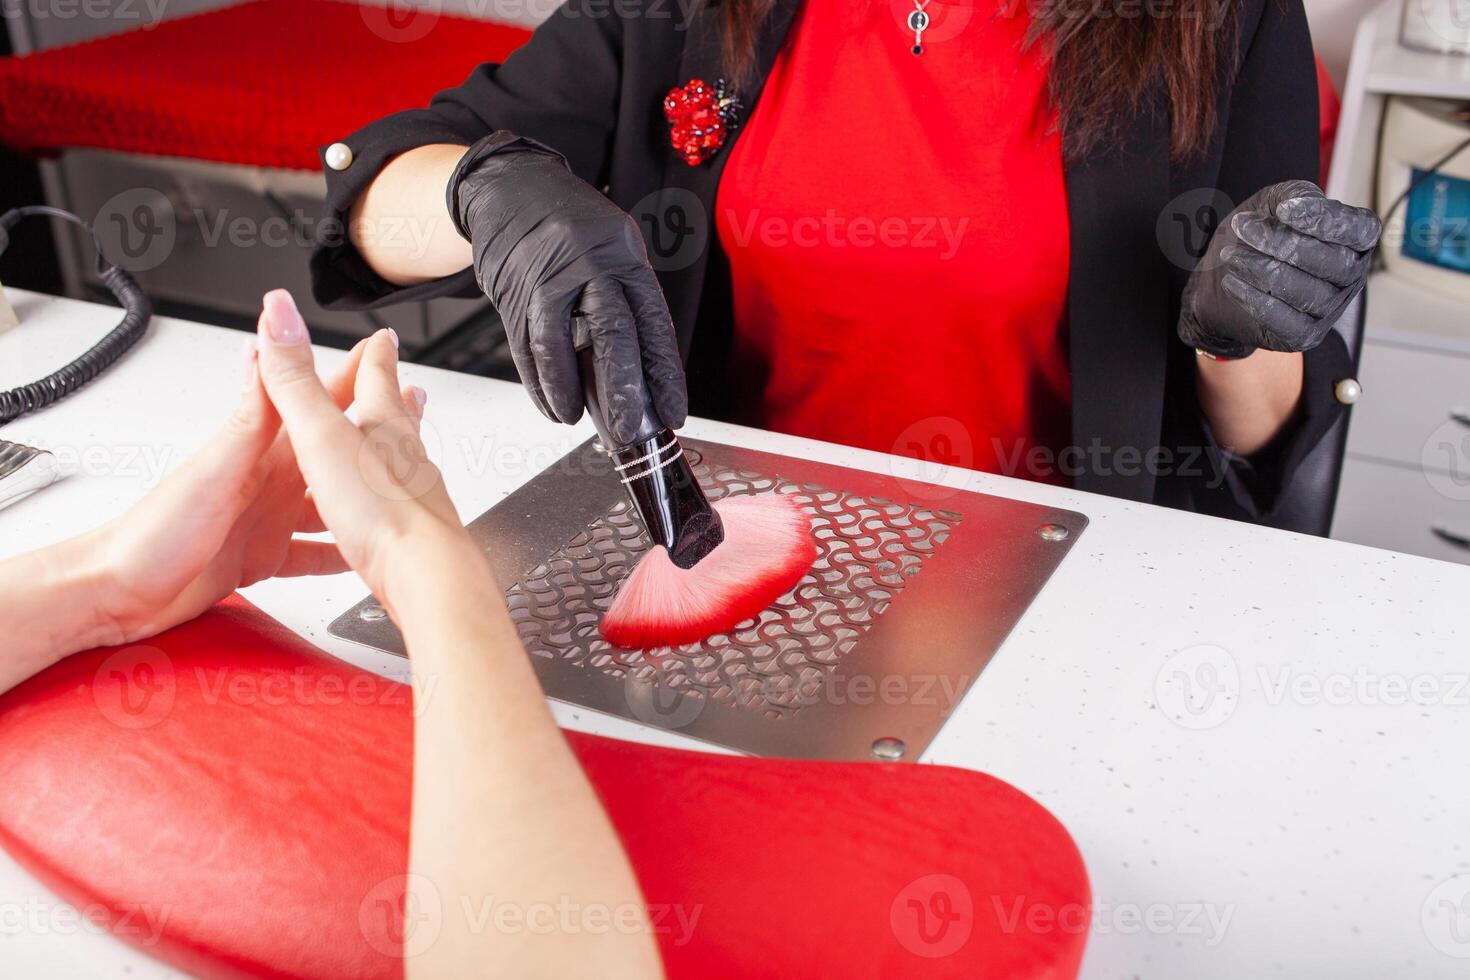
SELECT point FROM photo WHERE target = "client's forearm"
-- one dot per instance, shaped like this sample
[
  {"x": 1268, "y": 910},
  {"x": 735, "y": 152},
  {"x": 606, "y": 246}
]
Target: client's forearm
[
  {"x": 506, "y": 828},
  {"x": 401, "y": 224},
  {"x": 49, "y": 601}
]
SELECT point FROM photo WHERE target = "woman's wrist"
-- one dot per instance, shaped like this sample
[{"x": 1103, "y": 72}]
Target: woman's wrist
[
  {"x": 1249, "y": 402},
  {"x": 63, "y": 593},
  {"x": 434, "y": 571}
]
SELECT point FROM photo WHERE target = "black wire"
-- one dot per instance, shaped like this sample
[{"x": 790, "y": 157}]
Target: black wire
[
  {"x": 1414, "y": 185},
  {"x": 137, "y": 312}
]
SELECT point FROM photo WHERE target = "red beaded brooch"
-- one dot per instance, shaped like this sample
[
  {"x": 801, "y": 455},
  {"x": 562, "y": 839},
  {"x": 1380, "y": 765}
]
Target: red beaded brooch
[{"x": 700, "y": 119}]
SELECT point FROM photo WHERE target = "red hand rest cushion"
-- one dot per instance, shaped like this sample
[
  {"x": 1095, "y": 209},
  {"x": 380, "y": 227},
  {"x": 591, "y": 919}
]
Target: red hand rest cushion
[{"x": 238, "y": 801}]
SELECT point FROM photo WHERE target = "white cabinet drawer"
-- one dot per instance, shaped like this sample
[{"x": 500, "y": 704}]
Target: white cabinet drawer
[
  {"x": 1409, "y": 406},
  {"x": 1404, "y": 509}
]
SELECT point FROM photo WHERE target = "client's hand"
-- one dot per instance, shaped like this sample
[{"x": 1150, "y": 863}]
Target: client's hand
[
  {"x": 372, "y": 481},
  {"x": 538, "y": 827},
  {"x": 224, "y": 520},
  {"x": 228, "y": 517}
]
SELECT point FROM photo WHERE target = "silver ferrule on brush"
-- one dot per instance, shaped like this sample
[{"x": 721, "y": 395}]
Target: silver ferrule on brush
[
  {"x": 668, "y": 498},
  {"x": 657, "y": 476}
]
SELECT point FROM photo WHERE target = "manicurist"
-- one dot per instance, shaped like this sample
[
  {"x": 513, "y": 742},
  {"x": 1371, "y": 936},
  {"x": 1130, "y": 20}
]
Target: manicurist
[{"x": 959, "y": 230}]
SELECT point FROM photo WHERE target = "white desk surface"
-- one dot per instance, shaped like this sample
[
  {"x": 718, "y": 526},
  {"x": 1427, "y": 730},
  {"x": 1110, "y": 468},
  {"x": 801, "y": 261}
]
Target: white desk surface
[{"x": 1260, "y": 741}]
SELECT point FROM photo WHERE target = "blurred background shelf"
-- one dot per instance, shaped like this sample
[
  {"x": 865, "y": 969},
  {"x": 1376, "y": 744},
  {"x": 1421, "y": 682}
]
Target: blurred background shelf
[
  {"x": 1406, "y": 479},
  {"x": 1404, "y": 314},
  {"x": 1394, "y": 69}
]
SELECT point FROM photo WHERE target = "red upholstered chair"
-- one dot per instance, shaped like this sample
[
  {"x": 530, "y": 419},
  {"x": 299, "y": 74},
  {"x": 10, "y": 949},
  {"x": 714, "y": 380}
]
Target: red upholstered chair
[
  {"x": 257, "y": 791},
  {"x": 261, "y": 83},
  {"x": 216, "y": 117},
  {"x": 1329, "y": 110}
]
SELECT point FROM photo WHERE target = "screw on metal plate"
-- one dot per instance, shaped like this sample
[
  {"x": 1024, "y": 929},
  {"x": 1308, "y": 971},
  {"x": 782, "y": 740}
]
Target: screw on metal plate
[
  {"x": 1053, "y": 532},
  {"x": 889, "y": 749},
  {"x": 372, "y": 613}
]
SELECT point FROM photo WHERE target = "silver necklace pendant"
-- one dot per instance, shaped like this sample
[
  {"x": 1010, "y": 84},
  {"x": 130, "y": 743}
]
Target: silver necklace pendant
[{"x": 918, "y": 22}]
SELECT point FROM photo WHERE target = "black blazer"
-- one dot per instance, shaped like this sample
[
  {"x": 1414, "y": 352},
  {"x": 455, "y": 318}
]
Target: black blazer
[{"x": 591, "y": 81}]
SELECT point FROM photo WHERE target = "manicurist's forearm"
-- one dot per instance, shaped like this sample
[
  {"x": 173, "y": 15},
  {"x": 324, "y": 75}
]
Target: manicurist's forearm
[
  {"x": 508, "y": 838},
  {"x": 401, "y": 224},
  {"x": 1248, "y": 402},
  {"x": 49, "y": 601}
]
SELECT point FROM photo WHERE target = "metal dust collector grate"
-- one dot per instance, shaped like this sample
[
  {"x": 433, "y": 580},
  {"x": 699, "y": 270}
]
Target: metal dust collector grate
[{"x": 914, "y": 589}]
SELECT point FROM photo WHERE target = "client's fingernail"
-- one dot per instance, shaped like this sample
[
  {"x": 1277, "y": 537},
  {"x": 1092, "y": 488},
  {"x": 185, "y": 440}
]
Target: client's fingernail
[
  {"x": 420, "y": 396},
  {"x": 247, "y": 364},
  {"x": 283, "y": 320},
  {"x": 393, "y": 336}
]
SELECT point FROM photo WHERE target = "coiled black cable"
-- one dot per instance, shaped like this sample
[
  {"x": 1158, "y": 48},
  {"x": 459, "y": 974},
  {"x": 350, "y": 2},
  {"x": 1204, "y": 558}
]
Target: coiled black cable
[{"x": 137, "y": 312}]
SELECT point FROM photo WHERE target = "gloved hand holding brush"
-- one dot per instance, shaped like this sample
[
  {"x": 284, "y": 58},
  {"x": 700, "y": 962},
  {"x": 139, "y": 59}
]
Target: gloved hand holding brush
[
  {"x": 546, "y": 243},
  {"x": 588, "y": 327},
  {"x": 1279, "y": 272}
]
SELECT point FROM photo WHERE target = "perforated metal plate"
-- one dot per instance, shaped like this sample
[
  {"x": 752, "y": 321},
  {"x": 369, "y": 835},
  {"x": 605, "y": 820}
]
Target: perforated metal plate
[{"x": 914, "y": 589}]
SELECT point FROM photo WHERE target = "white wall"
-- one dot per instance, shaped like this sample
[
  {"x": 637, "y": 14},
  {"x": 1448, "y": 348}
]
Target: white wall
[{"x": 1333, "y": 25}]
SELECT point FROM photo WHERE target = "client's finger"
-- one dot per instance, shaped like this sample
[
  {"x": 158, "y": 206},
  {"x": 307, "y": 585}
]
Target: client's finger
[
  {"x": 378, "y": 395},
  {"x": 312, "y": 558},
  {"x": 309, "y": 521},
  {"x": 414, "y": 400},
  {"x": 244, "y": 438},
  {"x": 214, "y": 485},
  {"x": 341, "y": 380},
  {"x": 318, "y": 429}
]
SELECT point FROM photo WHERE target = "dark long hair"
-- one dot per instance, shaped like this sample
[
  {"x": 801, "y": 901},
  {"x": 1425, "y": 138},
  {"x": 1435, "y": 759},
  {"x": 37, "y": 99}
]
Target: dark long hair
[{"x": 1107, "y": 57}]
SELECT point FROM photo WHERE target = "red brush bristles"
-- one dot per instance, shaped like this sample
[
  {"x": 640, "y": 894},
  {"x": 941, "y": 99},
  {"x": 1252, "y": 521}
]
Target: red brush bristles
[{"x": 768, "y": 547}]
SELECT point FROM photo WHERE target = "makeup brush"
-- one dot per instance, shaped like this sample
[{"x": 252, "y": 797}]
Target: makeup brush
[
  {"x": 767, "y": 549},
  {"x": 652, "y": 468},
  {"x": 711, "y": 567}
]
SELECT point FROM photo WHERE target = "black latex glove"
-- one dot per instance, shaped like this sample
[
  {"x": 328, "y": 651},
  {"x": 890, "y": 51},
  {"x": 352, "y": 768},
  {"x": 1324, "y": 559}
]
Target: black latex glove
[
  {"x": 1279, "y": 272},
  {"x": 547, "y": 243}
]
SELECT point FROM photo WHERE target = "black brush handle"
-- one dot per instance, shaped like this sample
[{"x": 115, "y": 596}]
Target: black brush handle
[{"x": 652, "y": 467}]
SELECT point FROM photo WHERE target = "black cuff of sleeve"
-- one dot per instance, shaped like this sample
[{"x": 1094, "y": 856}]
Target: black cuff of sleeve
[
  {"x": 341, "y": 279},
  {"x": 1222, "y": 350},
  {"x": 1322, "y": 368},
  {"x": 1260, "y": 482}
]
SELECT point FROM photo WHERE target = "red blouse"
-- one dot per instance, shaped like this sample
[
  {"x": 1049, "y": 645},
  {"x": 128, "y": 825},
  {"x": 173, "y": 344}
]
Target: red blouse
[{"x": 898, "y": 239}]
